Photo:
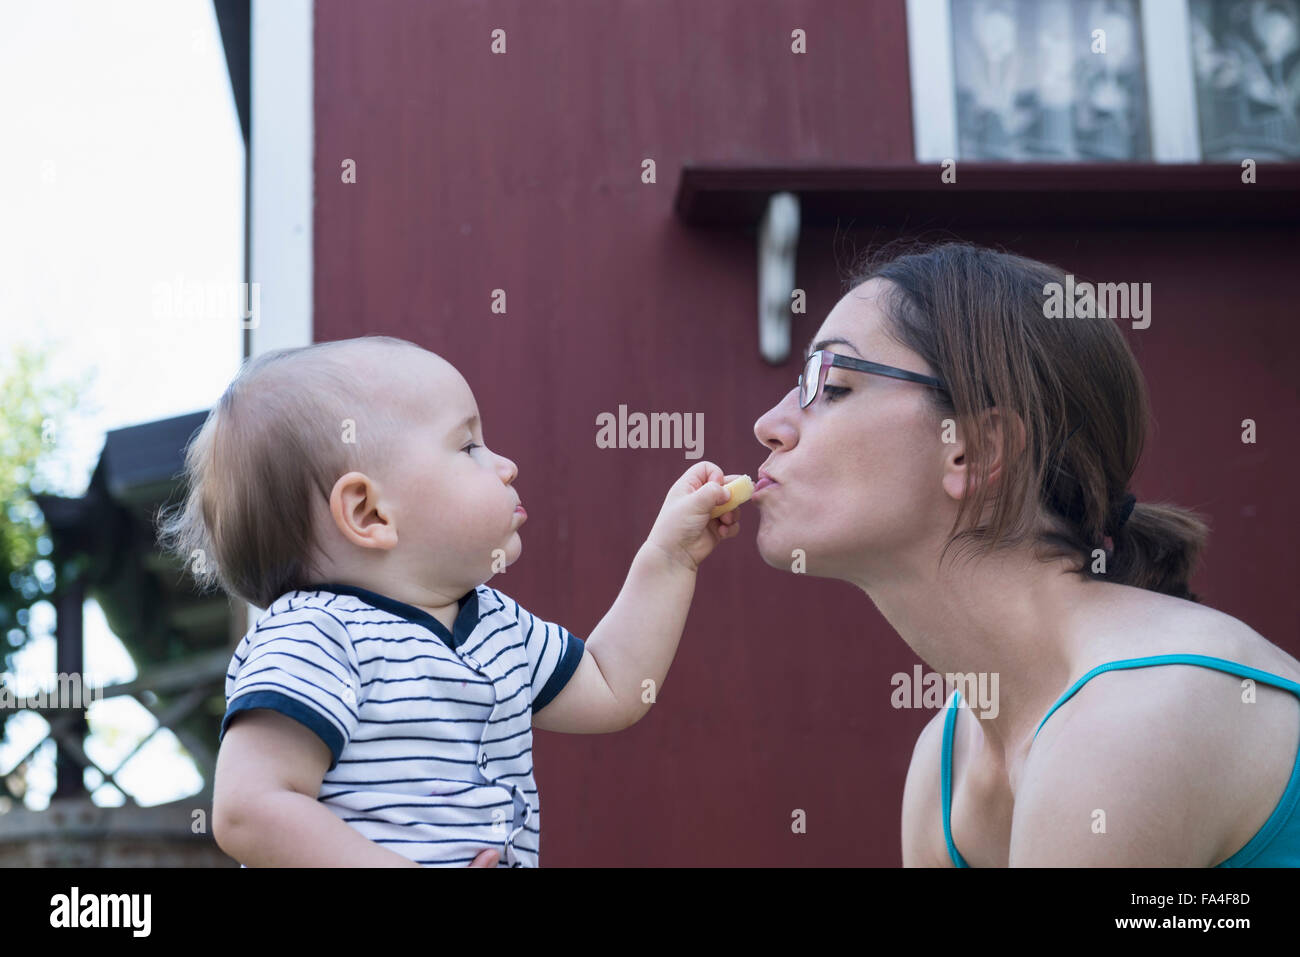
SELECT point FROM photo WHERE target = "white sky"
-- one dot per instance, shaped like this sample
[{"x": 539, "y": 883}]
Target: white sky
[{"x": 121, "y": 188}]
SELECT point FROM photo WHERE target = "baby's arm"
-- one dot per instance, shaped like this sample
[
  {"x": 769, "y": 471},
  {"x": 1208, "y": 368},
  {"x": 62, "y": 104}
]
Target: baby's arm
[
  {"x": 264, "y": 809},
  {"x": 637, "y": 638}
]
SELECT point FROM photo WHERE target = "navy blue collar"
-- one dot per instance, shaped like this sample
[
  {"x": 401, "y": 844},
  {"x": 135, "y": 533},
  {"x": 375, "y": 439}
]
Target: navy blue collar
[{"x": 466, "y": 618}]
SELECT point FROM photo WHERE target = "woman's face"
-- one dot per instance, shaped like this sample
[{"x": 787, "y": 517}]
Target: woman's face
[{"x": 858, "y": 473}]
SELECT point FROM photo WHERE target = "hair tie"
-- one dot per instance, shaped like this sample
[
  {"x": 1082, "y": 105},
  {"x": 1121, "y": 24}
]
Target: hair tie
[{"x": 1123, "y": 512}]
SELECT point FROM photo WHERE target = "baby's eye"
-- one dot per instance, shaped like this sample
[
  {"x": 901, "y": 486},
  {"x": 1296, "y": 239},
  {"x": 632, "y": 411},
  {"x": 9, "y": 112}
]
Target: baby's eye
[{"x": 833, "y": 392}]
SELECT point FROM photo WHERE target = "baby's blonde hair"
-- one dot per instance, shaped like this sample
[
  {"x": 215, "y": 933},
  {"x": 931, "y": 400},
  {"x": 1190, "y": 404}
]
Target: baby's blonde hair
[{"x": 290, "y": 424}]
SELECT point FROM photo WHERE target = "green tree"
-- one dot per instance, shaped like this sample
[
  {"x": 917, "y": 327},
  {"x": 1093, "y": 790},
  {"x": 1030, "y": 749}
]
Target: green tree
[{"x": 35, "y": 411}]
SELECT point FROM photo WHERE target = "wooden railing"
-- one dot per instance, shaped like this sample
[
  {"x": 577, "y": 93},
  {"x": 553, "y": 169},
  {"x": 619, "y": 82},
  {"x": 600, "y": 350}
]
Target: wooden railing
[{"x": 196, "y": 678}]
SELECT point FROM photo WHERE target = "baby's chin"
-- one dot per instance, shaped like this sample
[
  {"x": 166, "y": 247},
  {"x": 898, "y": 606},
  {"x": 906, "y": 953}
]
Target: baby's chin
[
  {"x": 509, "y": 552},
  {"x": 493, "y": 558}
]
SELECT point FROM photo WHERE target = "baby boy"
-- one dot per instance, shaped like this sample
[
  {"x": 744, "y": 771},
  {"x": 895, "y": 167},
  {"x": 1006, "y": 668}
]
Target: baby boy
[{"x": 380, "y": 710}]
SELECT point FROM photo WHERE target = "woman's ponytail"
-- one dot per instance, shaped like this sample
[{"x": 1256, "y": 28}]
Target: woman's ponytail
[{"x": 1157, "y": 549}]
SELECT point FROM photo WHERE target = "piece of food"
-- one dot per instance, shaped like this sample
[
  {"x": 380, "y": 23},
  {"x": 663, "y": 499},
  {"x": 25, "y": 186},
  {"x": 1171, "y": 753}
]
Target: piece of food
[{"x": 741, "y": 489}]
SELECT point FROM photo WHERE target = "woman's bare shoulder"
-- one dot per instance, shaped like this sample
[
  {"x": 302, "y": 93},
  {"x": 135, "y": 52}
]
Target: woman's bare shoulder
[
  {"x": 1169, "y": 699},
  {"x": 1147, "y": 623},
  {"x": 1217, "y": 745}
]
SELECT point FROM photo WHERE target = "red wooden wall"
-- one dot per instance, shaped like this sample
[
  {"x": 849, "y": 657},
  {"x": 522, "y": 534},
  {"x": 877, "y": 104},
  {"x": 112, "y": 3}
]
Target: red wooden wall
[{"x": 522, "y": 172}]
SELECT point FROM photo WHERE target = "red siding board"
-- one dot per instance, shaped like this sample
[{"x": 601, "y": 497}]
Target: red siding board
[{"x": 521, "y": 172}]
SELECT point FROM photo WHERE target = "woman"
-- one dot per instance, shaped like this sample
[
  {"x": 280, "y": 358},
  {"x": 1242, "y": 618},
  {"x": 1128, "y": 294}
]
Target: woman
[{"x": 974, "y": 483}]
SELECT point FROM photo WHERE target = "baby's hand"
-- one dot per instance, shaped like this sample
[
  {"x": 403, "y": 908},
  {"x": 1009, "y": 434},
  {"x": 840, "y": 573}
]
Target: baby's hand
[{"x": 684, "y": 529}]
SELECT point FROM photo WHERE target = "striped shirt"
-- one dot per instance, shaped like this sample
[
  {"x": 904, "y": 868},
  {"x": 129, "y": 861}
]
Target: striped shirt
[{"x": 429, "y": 730}]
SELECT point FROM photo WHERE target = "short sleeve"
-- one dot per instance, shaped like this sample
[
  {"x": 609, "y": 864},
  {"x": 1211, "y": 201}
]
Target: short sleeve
[
  {"x": 553, "y": 656},
  {"x": 301, "y": 663}
]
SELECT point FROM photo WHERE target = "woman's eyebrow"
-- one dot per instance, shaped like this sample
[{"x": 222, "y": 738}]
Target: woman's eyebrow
[{"x": 833, "y": 341}]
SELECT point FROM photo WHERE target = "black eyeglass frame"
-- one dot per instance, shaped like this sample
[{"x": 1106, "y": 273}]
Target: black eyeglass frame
[{"x": 825, "y": 359}]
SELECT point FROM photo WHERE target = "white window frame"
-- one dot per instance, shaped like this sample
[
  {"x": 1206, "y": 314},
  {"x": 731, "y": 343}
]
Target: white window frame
[
  {"x": 1170, "y": 80},
  {"x": 281, "y": 173}
]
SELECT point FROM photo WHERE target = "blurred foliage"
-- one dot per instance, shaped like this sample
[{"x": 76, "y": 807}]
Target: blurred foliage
[{"x": 35, "y": 411}]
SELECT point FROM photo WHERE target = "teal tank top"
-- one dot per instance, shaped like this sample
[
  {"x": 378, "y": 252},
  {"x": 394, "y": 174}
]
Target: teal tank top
[{"x": 1276, "y": 844}]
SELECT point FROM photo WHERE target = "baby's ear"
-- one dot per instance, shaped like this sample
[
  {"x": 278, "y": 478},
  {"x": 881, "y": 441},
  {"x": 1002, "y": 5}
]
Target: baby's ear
[{"x": 359, "y": 513}]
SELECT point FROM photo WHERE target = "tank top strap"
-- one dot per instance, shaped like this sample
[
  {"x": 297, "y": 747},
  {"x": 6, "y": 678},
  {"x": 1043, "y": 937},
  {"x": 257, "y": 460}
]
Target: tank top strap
[
  {"x": 1204, "y": 661},
  {"x": 945, "y": 777},
  {"x": 1290, "y": 800}
]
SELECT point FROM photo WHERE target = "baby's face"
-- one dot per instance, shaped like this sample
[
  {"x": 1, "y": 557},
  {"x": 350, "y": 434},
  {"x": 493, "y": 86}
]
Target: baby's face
[{"x": 451, "y": 497}]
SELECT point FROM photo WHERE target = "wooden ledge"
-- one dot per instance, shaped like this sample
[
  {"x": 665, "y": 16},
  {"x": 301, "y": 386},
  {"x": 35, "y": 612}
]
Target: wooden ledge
[{"x": 1048, "y": 196}]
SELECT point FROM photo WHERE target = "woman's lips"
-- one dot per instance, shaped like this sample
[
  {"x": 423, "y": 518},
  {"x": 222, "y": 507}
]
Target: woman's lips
[{"x": 762, "y": 483}]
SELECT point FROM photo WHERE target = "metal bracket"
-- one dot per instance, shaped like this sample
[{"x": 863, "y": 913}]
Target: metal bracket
[{"x": 778, "y": 243}]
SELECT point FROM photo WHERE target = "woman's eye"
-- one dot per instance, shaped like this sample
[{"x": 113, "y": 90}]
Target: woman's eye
[
  {"x": 471, "y": 446},
  {"x": 833, "y": 392}
]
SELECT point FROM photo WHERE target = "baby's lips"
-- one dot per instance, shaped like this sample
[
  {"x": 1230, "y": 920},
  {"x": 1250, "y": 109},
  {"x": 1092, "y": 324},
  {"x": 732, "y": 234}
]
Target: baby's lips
[{"x": 741, "y": 489}]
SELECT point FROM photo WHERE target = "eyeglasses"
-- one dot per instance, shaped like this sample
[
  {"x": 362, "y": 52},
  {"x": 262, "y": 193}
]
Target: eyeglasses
[{"x": 814, "y": 374}]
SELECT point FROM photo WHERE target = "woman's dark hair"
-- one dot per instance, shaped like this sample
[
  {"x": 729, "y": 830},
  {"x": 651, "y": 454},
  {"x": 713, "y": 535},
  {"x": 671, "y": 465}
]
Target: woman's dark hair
[{"x": 978, "y": 317}]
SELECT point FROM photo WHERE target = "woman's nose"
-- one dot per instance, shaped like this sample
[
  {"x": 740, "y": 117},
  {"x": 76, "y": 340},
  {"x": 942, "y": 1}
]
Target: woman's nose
[{"x": 775, "y": 428}]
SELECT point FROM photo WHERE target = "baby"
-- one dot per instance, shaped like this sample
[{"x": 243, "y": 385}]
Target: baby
[{"x": 380, "y": 711}]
